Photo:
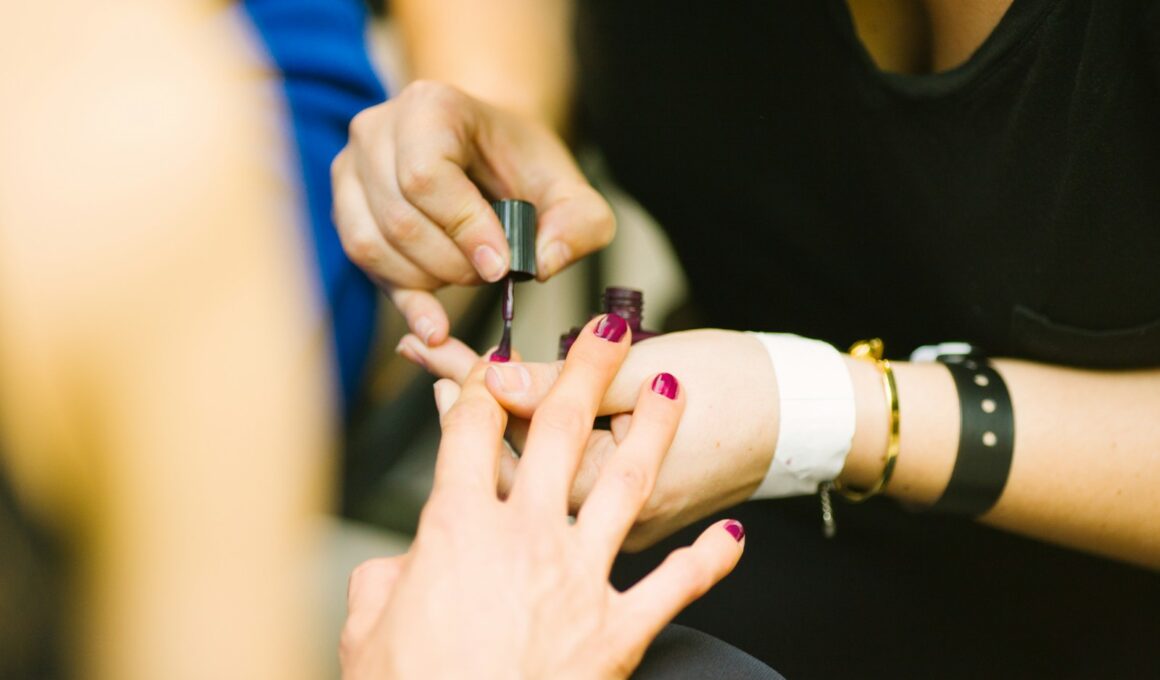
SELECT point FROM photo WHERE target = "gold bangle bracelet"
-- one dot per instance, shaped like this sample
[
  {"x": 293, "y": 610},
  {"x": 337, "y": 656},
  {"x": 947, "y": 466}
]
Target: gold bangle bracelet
[{"x": 871, "y": 350}]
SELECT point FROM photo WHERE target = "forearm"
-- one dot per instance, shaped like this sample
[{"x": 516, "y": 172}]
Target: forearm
[
  {"x": 516, "y": 54},
  {"x": 1086, "y": 459},
  {"x": 163, "y": 369}
]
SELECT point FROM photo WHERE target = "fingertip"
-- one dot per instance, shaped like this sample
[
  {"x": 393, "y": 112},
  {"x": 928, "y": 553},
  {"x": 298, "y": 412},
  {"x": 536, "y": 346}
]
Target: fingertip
[
  {"x": 446, "y": 392},
  {"x": 425, "y": 328},
  {"x": 735, "y": 529},
  {"x": 426, "y": 318},
  {"x": 552, "y": 258},
  {"x": 491, "y": 264},
  {"x": 410, "y": 348},
  {"x": 493, "y": 381},
  {"x": 666, "y": 385}
]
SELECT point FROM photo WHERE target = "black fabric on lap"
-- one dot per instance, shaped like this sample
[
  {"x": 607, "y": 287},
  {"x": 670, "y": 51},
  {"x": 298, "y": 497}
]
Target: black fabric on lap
[{"x": 680, "y": 652}]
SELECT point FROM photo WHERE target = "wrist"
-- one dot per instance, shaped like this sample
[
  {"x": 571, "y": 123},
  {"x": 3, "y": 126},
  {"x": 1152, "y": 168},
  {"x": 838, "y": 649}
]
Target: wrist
[{"x": 928, "y": 410}]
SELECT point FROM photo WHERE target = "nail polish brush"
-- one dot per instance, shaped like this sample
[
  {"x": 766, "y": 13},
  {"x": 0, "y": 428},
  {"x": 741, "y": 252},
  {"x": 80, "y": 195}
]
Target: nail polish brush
[{"x": 519, "y": 227}]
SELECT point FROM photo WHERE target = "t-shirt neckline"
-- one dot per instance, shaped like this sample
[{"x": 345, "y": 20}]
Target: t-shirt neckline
[{"x": 1013, "y": 31}]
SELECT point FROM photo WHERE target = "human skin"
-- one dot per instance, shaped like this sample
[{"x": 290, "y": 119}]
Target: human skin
[
  {"x": 163, "y": 372},
  {"x": 505, "y": 588},
  {"x": 1086, "y": 456},
  {"x": 484, "y": 116},
  {"x": 1087, "y": 450}
]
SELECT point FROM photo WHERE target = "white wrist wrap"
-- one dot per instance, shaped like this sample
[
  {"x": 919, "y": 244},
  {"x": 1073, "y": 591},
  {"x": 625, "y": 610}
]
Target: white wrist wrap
[{"x": 816, "y": 415}]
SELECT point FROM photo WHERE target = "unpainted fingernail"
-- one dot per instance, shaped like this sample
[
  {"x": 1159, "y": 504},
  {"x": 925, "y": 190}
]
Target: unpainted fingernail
[
  {"x": 425, "y": 328},
  {"x": 488, "y": 263},
  {"x": 555, "y": 256},
  {"x": 735, "y": 530},
  {"x": 407, "y": 350},
  {"x": 666, "y": 385},
  {"x": 611, "y": 328},
  {"x": 511, "y": 378}
]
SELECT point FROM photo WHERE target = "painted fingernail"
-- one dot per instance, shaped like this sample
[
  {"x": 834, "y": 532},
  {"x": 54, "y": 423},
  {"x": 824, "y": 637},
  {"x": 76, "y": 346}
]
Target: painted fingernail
[
  {"x": 611, "y": 328},
  {"x": 497, "y": 358},
  {"x": 425, "y": 328},
  {"x": 666, "y": 385},
  {"x": 510, "y": 378},
  {"x": 555, "y": 256},
  {"x": 488, "y": 263},
  {"x": 735, "y": 530}
]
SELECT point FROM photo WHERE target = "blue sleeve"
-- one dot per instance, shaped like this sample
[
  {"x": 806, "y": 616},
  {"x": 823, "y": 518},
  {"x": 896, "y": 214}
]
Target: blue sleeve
[{"x": 319, "y": 48}]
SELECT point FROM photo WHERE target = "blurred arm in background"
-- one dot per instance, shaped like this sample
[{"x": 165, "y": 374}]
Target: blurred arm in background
[
  {"x": 515, "y": 54},
  {"x": 163, "y": 358}
]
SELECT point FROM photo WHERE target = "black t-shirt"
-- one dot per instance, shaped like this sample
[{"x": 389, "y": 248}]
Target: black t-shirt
[{"x": 1013, "y": 202}]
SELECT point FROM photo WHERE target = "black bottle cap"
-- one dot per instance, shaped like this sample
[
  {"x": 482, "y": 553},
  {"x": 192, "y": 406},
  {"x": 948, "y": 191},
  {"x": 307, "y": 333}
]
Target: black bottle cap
[{"x": 519, "y": 226}]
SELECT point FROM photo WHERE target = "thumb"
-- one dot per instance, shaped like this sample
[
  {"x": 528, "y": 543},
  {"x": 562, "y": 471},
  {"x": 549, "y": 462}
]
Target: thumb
[{"x": 576, "y": 222}]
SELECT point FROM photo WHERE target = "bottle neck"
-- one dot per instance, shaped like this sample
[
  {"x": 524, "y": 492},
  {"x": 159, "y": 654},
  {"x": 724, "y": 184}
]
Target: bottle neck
[{"x": 626, "y": 303}]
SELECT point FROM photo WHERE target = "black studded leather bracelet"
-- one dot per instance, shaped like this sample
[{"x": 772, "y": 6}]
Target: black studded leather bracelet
[{"x": 986, "y": 438}]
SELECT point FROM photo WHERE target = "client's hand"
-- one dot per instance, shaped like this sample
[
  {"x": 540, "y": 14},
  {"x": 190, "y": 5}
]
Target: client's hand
[
  {"x": 721, "y": 451},
  {"x": 502, "y": 588},
  {"x": 725, "y": 441}
]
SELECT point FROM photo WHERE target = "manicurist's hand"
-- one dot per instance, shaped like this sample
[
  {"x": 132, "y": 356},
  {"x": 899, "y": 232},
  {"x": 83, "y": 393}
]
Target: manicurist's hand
[
  {"x": 412, "y": 190},
  {"x": 503, "y": 588},
  {"x": 722, "y": 449}
]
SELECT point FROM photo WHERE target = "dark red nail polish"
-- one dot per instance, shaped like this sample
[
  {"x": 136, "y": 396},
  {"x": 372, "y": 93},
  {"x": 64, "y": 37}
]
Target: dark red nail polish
[
  {"x": 611, "y": 328},
  {"x": 735, "y": 530},
  {"x": 497, "y": 358},
  {"x": 665, "y": 385}
]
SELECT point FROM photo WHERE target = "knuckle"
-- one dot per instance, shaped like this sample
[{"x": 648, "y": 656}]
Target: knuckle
[
  {"x": 461, "y": 223},
  {"x": 401, "y": 224},
  {"x": 431, "y": 91},
  {"x": 441, "y": 514},
  {"x": 473, "y": 413},
  {"x": 363, "y": 246},
  {"x": 417, "y": 177},
  {"x": 562, "y": 418},
  {"x": 337, "y": 166},
  {"x": 634, "y": 479},
  {"x": 363, "y": 124}
]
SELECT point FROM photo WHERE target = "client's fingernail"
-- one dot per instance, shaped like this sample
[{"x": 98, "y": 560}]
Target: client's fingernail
[
  {"x": 425, "y": 328},
  {"x": 554, "y": 257},
  {"x": 488, "y": 263},
  {"x": 666, "y": 385},
  {"x": 408, "y": 350},
  {"x": 611, "y": 328},
  {"x": 735, "y": 530},
  {"x": 510, "y": 378}
]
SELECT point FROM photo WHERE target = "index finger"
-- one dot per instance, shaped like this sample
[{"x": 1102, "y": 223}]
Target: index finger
[
  {"x": 431, "y": 166},
  {"x": 472, "y": 439},
  {"x": 560, "y": 427}
]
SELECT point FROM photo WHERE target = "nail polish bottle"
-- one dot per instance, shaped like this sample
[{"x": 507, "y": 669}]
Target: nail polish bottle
[
  {"x": 519, "y": 227},
  {"x": 628, "y": 304}
]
